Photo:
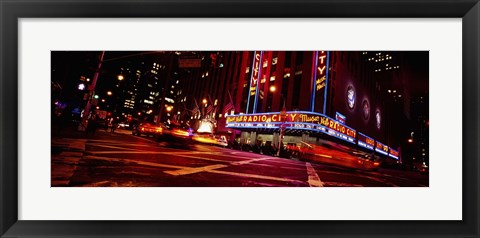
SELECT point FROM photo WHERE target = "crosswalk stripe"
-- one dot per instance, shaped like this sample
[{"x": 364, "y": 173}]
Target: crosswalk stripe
[
  {"x": 195, "y": 170},
  {"x": 313, "y": 178}
]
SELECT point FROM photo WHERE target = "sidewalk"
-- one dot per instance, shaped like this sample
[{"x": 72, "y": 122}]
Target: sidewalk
[
  {"x": 66, "y": 155},
  {"x": 67, "y": 149},
  {"x": 68, "y": 146},
  {"x": 69, "y": 130}
]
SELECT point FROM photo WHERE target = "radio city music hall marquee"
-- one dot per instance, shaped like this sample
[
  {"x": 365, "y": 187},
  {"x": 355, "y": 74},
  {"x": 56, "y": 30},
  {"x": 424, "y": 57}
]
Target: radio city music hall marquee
[
  {"x": 300, "y": 120},
  {"x": 308, "y": 121}
]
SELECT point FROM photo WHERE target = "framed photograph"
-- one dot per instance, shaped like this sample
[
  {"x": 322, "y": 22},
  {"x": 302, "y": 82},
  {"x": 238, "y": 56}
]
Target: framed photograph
[{"x": 224, "y": 118}]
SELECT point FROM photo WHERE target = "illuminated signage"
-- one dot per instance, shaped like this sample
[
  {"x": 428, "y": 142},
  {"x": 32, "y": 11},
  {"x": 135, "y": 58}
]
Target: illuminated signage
[
  {"x": 381, "y": 148},
  {"x": 365, "y": 141},
  {"x": 321, "y": 70},
  {"x": 294, "y": 120},
  {"x": 351, "y": 97},
  {"x": 340, "y": 118},
  {"x": 255, "y": 77},
  {"x": 319, "y": 81},
  {"x": 256, "y": 69},
  {"x": 393, "y": 153},
  {"x": 366, "y": 109},
  {"x": 378, "y": 119},
  {"x": 255, "y": 73},
  {"x": 205, "y": 127},
  {"x": 309, "y": 121}
]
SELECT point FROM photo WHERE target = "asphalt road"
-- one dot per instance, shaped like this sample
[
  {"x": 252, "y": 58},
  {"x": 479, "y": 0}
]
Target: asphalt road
[{"x": 123, "y": 160}]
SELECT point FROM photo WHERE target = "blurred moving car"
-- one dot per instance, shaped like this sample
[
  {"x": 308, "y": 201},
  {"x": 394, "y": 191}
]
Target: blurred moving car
[
  {"x": 148, "y": 129},
  {"x": 337, "y": 155},
  {"x": 175, "y": 132},
  {"x": 292, "y": 150},
  {"x": 210, "y": 139},
  {"x": 123, "y": 125},
  {"x": 204, "y": 138},
  {"x": 222, "y": 141}
]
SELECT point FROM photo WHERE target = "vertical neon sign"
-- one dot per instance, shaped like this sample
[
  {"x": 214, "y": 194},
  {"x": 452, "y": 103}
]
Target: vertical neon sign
[
  {"x": 319, "y": 79},
  {"x": 314, "y": 76},
  {"x": 253, "y": 79},
  {"x": 326, "y": 85},
  {"x": 254, "y": 82}
]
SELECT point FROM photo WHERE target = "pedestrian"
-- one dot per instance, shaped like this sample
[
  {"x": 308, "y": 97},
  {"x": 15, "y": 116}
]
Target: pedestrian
[
  {"x": 112, "y": 124},
  {"x": 92, "y": 123}
]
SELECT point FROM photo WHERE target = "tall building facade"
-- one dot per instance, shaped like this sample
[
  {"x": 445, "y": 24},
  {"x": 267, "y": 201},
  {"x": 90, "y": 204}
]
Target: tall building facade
[
  {"x": 144, "y": 87},
  {"x": 367, "y": 93},
  {"x": 370, "y": 91}
]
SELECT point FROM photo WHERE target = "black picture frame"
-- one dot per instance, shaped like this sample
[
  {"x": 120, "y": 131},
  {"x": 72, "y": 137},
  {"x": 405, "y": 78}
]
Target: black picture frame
[{"x": 11, "y": 11}]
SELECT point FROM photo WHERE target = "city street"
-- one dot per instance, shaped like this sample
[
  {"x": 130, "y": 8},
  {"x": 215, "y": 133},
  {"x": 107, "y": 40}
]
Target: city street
[{"x": 120, "y": 160}]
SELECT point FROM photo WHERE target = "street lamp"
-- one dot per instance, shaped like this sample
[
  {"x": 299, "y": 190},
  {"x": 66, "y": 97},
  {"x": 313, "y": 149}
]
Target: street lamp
[
  {"x": 120, "y": 77},
  {"x": 204, "y": 101},
  {"x": 109, "y": 93},
  {"x": 410, "y": 140},
  {"x": 273, "y": 88}
]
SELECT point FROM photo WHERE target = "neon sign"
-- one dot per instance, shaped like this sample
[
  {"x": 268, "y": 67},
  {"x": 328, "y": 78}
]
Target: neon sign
[
  {"x": 381, "y": 148},
  {"x": 393, "y": 153},
  {"x": 378, "y": 119},
  {"x": 350, "y": 97},
  {"x": 366, "y": 109},
  {"x": 321, "y": 70},
  {"x": 340, "y": 118},
  {"x": 295, "y": 120},
  {"x": 308, "y": 121},
  {"x": 365, "y": 141},
  {"x": 256, "y": 69},
  {"x": 256, "y": 72},
  {"x": 319, "y": 81}
]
